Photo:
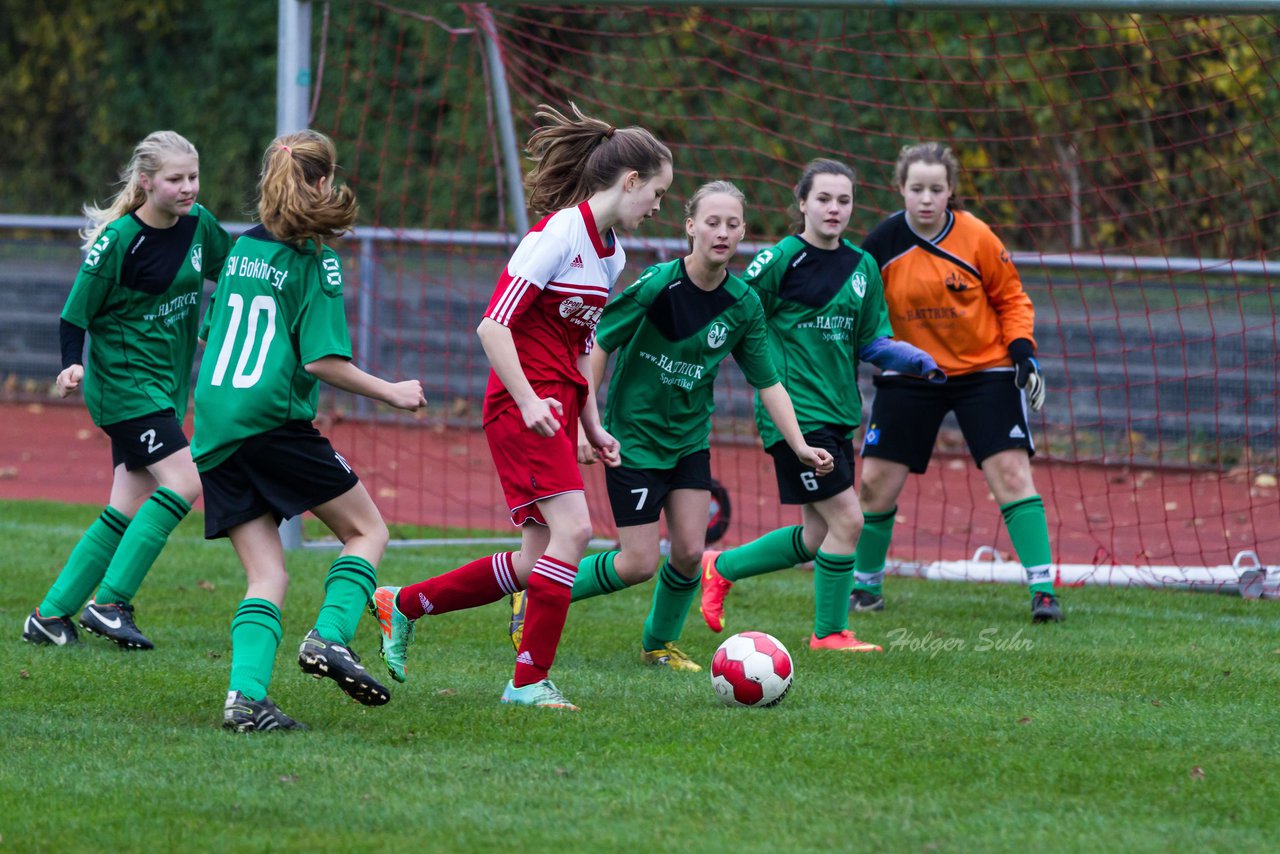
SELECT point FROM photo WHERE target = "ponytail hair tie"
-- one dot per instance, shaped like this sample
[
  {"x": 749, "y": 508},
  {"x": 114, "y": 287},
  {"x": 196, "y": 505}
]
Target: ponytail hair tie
[
  {"x": 286, "y": 149},
  {"x": 610, "y": 132}
]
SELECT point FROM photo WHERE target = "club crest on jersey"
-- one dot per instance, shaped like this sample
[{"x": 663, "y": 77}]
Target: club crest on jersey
[
  {"x": 717, "y": 335},
  {"x": 956, "y": 282},
  {"x": 859, "y": 281},
  {"x": 196, "y": 256}
]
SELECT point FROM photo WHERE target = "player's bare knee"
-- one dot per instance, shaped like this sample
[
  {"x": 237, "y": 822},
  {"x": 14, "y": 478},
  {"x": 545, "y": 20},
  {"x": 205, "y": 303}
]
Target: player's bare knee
[
  {"x": 685, "y": 559},
  {"x": 187, "y": 487},
  {"x": 636, "y": 566},
  {"x": 571, "y": 538},
  {"x": 375, "y": 532},
  {"x": 845, "y": 530},
  {"x": 879, "y": 489}
]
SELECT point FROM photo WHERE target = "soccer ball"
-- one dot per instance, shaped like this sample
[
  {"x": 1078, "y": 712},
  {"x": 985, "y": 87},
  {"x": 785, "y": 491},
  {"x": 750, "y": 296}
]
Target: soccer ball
[{"x": 751, "y": 669}]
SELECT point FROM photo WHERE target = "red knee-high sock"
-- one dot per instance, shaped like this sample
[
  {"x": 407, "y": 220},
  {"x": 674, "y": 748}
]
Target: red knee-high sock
[
  {"x": 546, "y": 606},
  {"x": 480, "y": 582}
]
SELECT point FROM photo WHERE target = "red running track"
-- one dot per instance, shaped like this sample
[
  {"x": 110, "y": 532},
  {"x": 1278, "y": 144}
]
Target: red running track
[{"x": 429, "y": 475}]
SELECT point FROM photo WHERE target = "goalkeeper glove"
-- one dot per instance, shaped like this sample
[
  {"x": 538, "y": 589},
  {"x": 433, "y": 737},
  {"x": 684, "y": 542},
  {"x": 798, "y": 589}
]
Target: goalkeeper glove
[{"x": 1026, "y": 372}]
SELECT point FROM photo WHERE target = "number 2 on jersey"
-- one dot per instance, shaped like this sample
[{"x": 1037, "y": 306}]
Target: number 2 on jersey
[{"x": 261, "y": 305}]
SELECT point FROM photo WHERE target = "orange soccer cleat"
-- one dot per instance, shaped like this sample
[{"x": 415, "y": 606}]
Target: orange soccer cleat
[
  {"x": 714, "y": 588},
  {"x": 843, "y": 640}
]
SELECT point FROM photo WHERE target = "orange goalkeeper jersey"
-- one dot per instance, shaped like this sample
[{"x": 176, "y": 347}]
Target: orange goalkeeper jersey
[{"x": 957, "y": 297}]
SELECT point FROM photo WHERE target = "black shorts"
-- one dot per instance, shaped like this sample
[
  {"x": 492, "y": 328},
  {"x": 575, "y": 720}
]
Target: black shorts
[
  {"x": 145, "y": 440},
  {"x": 907, "y": 413},
  {"x": 638, "y": 495},
  {"x": 797, "y": 483},
  {"x": 284, "y": 472}
]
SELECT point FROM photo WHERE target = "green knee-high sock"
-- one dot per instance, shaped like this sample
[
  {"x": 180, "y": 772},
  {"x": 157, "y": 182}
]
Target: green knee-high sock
[
  {"x": 596, "y": 577},
  {"x": 86, "y": 565},
  {"x": 778, "y": 549},
  {"x": 255, "y": 634},
  {"x": 832, "y": 584},
  {"x": 672, "y": 596},
  {"x": 348, "y": 589},
  {"x": 141, "y": 545},
  {"x": 873, "y": 547},
  {"x": 1029, "y": 530}
]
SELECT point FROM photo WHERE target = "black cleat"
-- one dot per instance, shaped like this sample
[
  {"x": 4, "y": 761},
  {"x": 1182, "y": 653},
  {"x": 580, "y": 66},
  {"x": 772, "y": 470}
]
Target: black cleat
[
  {"x": 865, "y": 600},
  {"x": 114, "y": 621},
  {"x": 322, "y": 658},
  {"x": 55, "y": 631},
  {"x": 1045, "y": 608},
  {"x": 244, "y": 715}
]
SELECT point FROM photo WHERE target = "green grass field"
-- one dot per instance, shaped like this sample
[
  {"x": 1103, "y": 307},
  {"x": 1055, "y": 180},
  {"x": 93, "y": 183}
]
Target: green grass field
[{"x": 1146, "y": 722}]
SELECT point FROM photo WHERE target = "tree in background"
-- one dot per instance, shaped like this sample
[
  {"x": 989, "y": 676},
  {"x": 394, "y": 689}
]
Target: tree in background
[{"x": 80, "y": 81}]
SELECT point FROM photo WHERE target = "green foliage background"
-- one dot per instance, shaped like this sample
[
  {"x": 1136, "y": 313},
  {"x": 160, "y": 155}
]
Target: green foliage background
[
  {"x": 81, "y": 82},
  {"x": 1172, "y": 121}
]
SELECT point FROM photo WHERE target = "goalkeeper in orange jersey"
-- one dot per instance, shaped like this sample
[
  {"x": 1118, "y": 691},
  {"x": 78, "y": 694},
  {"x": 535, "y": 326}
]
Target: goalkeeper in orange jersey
[
  {"x": 953, "y": 291},
  {"x": 824, "y": 306}
]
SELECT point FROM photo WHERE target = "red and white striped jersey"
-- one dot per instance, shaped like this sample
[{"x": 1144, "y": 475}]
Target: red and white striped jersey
[{"x": 550, "y": 296}]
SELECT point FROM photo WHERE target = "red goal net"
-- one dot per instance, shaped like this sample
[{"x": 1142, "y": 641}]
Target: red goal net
[{"x": 1130, "y": 162}]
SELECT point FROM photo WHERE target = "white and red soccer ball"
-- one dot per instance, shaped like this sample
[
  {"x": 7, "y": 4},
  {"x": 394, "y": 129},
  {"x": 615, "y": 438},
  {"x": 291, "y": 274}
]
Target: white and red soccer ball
[{"x": 751, "y": 669}]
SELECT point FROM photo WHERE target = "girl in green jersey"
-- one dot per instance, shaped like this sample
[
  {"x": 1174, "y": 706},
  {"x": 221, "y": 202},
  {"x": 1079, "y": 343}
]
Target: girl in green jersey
[
  {"x": 276, "y": 329},
  {"x": 826, "y": 312},
  {"x": 671, "y": 331},
  {"x": 138, "y": 293}
]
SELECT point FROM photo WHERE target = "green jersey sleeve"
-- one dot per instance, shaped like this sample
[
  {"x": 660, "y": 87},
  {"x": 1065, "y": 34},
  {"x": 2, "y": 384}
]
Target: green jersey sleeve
[
  {"x": 764, "y": 275},
  {"x": 624, "y": 314},
  {"x": 873, "y": 320},
  {"x": 216, "y": 245},
  {"x": 752, "y": 350},
  {"x": 97, "y": 275},
  {"x": 322, "y": 323}
]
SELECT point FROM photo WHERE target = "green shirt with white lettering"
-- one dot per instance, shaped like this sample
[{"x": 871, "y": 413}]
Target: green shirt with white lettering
[
  {"x": 138, "y": 294},
  {"x": 278, "y": 307},
  {"x": 822, "y": 307},
  {"x": 671, "y": 337}
]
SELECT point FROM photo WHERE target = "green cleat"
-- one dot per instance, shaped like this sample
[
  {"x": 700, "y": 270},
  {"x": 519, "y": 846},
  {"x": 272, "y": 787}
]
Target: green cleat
[{"x": 397, "y": 631}]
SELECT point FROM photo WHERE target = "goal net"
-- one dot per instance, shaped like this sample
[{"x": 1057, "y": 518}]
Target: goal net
[{"x": 1130, "y": 162}]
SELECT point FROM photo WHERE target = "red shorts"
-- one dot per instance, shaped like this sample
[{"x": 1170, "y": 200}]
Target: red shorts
[{"x": 532, "y": 467}]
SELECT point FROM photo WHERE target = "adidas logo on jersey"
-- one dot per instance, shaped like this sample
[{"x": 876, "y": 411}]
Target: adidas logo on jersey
[
  {"x": 1016, "y": 433},
  {"x": 576, "y": 263}
]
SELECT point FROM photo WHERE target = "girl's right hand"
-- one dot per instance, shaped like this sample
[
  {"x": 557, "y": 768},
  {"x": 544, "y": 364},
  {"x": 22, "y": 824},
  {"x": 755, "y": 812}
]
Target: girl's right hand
[
  {"x": 407, "y": 395},
  {"x": 69, "y": 380},
  {"x": 543, "y": 416},
  {"x": 819, "y": 458}
]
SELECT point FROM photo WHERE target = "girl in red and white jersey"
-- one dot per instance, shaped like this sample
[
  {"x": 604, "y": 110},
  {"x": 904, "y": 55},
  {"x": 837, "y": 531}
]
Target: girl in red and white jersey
[{"x": 537, "y": 332}]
